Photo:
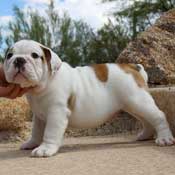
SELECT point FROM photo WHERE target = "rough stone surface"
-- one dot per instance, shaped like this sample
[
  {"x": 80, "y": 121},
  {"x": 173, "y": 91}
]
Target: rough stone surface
[
  {"x": 165, "y": 99},
  {"x": 122, "y": 123},
  {"x": 155, "y": 49},
  {"x": 13, "y": 117}
]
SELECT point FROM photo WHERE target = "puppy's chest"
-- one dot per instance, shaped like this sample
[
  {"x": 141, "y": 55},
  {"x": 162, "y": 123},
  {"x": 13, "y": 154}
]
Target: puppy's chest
[{"x": 39, "y": 107}]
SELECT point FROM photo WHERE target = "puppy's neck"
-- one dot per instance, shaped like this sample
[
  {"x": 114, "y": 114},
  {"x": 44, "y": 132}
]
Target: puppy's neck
[{"x": 43, "y": 85}]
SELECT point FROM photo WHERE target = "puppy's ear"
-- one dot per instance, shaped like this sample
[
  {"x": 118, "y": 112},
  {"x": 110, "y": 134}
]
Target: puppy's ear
[
  {"x": 53, "y": 61},
  {"x": 47, "y": 53},
  {"x": 47, "y": 56}
]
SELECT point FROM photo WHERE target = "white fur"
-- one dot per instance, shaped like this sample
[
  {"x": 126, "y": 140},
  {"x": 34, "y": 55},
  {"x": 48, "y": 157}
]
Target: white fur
[
  {"x": 95, "y": 102},
  {"x": 143, "y": 73}
]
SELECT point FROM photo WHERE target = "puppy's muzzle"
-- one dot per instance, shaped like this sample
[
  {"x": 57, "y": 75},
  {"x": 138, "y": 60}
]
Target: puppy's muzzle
[{"x": 19, "y": 62}]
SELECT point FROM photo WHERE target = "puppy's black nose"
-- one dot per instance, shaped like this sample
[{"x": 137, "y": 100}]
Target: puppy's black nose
[{"x": 19, "y": 62}]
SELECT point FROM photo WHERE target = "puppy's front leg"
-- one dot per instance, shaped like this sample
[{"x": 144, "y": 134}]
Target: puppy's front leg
[
  {"x": 37, "y": 134},
  {"x": 56, "y": 124}
]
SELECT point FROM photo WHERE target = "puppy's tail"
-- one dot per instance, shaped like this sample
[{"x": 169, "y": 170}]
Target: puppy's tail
[{"x": 142, "y": 72}]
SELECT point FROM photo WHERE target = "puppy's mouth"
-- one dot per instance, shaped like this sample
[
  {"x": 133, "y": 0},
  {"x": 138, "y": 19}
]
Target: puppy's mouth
[{"x": 19, "y": 76}]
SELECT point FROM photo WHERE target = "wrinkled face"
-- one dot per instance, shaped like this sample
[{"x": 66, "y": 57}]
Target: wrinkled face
[{"x": 27, "y": 63}]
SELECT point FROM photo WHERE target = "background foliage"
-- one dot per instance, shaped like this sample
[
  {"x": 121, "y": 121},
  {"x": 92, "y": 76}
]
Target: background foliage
[{"x": 75, "y": 41}]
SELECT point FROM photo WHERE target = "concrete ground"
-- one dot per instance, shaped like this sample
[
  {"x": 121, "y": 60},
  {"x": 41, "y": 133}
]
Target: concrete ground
[{"x": 109, "y": 155}]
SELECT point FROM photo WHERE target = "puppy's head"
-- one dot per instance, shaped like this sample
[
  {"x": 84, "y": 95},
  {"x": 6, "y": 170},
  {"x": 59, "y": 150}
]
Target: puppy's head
[{"x": 29, "y": 63}]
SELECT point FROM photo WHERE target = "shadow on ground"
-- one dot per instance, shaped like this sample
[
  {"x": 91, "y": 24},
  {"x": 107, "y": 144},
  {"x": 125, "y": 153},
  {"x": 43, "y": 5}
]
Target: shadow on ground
[{"x": 8, "y": 151}]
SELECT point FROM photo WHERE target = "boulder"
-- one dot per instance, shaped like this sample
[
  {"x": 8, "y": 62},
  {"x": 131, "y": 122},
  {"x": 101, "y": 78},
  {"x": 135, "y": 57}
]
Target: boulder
[
  {"x": 155, "y": 49},
  {"x": 14, "y": 115},
  {"x": 165, "y": 100}
]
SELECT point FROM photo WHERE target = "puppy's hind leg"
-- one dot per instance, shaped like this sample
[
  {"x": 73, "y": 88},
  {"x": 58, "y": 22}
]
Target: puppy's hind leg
[
  {"x": 147, "y": 132},
  {"x": 141, "y": 104}
]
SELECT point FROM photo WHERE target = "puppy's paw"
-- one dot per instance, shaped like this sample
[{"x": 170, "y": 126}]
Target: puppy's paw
[
  {"x": 30, "y": 144},
  {"x": 165, "y": 141},
  {"x": 45, "y": 150}
]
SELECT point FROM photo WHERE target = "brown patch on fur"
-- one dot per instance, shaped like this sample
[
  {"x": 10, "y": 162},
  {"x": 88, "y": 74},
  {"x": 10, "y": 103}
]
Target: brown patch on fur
[
  {"x": 71, "y": 102},
  {"x": 101, "y": 71},
  {"x": 43, "y": 59},
  {"x": 134, "y": 70},
  {"x": 47, "y": 58}
]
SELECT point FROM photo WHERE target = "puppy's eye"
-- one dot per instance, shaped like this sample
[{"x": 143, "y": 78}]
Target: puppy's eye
[
  {"x": 9, "y": 55},
  {"x": 35, "y": 55}
]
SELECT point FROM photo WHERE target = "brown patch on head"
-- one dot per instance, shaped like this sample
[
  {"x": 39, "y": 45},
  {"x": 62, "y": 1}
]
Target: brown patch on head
[
  {"x": 134, "y": 70},
  {"x": 101, "y": 71},
  {"x": 71, "y": 102},
  {"x": 47, "y": 57}
]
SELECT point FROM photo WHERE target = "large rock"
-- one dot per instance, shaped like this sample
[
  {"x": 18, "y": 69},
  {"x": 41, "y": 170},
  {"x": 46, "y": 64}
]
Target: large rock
[
  {"x": 155, "y": 49},
  {"x": 165, "y": 99},
  {"x": 14, "y": 115}
]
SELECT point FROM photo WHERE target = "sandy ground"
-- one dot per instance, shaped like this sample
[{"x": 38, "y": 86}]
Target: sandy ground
[{"x": 109, "y": 155}]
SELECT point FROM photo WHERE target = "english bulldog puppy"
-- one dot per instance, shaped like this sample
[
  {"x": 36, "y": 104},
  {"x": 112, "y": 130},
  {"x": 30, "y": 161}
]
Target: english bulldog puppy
[{"x": 81, "y": 97}]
